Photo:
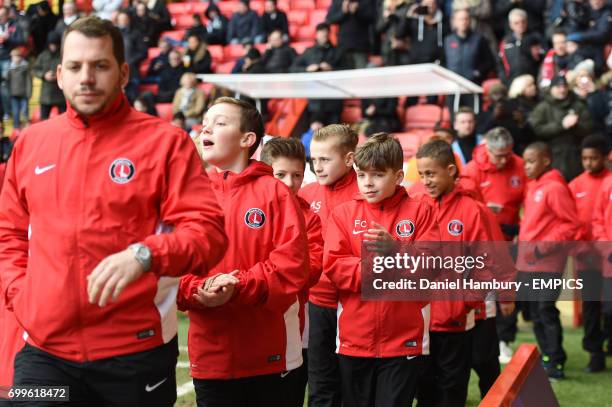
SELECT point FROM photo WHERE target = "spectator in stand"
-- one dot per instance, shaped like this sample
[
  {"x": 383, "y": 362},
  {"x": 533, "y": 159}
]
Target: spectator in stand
[
  {"x": 160, "y": 14},
  {"x": 321, "y": 57},
  {"x": 391, "y": 24},
  {"x": 562, "y": 120},
  {"x": 159, "y": 62},
  {"x": 556, "y": 60},
  {"x": 197, "y": 58},
  {"x": 216, "y": 27},
  {"x": 135, "y": 52},
  {"x": 520, "y": 52},
  {"x": 253, "y": 62},
  {"x": 467, "y": 54},
  {"x": 42, "y": 22},
  {"x": 502, "y": 112},
  {"x": 524, "y": 94},
  {"x": 354, "y": 18},
  {"x": 45, "y": 68},
  {"x": 69, "y": 15},
  {"x": 279, "y": 56},
  {"x": 19, "y": 83},
  {"x": 106, "y": 9},
  {"x": 170, "y": 77},
  {"x": 465, "y": 131},
  {"x": 274, "y": 19},
  {"x": 197, "y": 28},
  {"x": 533, "y": 8},
  {"x": 380, "y": 115},
  {"x": 481, "y": 12},
  {"x": 144, "y": 23},
  {"x": 426, "y": 32},
  {"x": 244, "y": 24},
  {"x": 594, "y": 37},
  {"x": 189, "y": 100},
  {"x": 11, "y": 36},
  {"x": 246, "y": 46},
  {"x": 145, "y": 102},
  {"x": 583, "y": 85}
]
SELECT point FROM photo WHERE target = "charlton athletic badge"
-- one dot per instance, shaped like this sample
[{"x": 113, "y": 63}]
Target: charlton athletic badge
[
  {"x": 404, "y": 228},
  {"x": 121, "y": 171},
  {"x": 515, "y": 181},
  {"x": 455, "y": 227},
  {"x": 254, "y": 218}
]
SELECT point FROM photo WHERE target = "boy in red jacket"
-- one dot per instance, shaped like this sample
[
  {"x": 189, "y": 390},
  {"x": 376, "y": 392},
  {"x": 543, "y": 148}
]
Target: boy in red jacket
[
  {"x": 244, "y": 326},
  {"x": 585, "y": 188},
  {"x": 461, "y": 219},
  {"x": 550, "y": 216},
  {"x": 380, "y": 343},
  {"x": 287, "y": 157},
  {"x": 331, "y": 151}
]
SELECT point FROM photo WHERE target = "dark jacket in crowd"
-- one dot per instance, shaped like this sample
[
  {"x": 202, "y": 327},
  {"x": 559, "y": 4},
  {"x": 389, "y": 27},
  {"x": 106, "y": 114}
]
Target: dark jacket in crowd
[
  {"x": 546, "y": 121},
  {"x": 242, "y": 26},
  {"x": 597, "y": 103},
  {"x": 469, "y": 57},
  {"x": 200, "y": 60},
  {"x": 394, "y": 26},
  {"x": 279, "y": 60},
  {"x": 534, "y": 8},
  {"x": 515, "y": 57},
  {"x": 384, "y": 119},
  {"x": 216, "y": 28},
  {"x": 135, "y": 48},
  {"x": 274, "y": 21},
  {"x": 160, "y": 14},
  {"x": 50, "y": 93},
  {"x": 42, "y": 22},
  {"x": 169, "y": 82},
  {"x": 594, "y": 39},
  {"x": 19, "y": 81},
  {"x": 197, "y": 30},
  {"x": 16, "y": 38},
  {"x": 427, "y": 41},
  {"x": 354, "y": 29}
]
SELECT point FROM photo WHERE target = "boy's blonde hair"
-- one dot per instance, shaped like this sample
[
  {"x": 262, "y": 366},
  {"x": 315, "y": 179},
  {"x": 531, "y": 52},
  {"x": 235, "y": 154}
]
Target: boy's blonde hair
[
  {"x": 381, "y": 152},
  {"x": 281, "y": 147},
  {"x": 250, "y": 119},
  {"x": 346, "y": 137}
]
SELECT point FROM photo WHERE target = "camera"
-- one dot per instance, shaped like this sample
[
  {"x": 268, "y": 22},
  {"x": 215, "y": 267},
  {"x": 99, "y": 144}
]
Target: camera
[{"x": 421, "y": 10}]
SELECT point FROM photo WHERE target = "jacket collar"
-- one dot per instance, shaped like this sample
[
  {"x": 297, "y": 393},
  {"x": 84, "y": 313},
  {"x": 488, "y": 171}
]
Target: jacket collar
[
  {"x": 390, "y": 202},
  {"x": 346, "y": 181},
  {"x": 115, "y": 111}
]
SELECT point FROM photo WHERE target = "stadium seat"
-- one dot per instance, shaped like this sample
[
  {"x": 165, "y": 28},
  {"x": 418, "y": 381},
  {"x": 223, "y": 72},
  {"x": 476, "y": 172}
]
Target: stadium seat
[
  {"x": 300, "y": 47},
  {"x": 302, "y": 4},
  {"x": 317, "y": 16},
  {"x": 294, "y": 31},
  {"x": 217, "y": 53},
  {"x": 206, "y": 87},
  {"x": 176, "y": 9},
  {"x": 225, "y": 67},
  {"x": 446, "y": 118},
  {"x": 164, "y": 110},
  {"x": 297, "y": 17},
  {"x": 199, "y": 8},
  {"x": 305, "y": 33},
  {"x": 183, "y": 21},
  {"x": 284, "y": 5},
  {"x": 422, "y": 117},
  {"x": 153, "y": 52},
  {"x": 144, "y": 67},
  {"x": 351, "y": 114},
  {"x": 232, "y": 52},
  {"x": 227, "y": 7},
  {"x": 148, "y": 87},
  {"x": 410, "y": 142},
  {"x": 257, "y": 6},
  {"x": 324, "y": 4}
]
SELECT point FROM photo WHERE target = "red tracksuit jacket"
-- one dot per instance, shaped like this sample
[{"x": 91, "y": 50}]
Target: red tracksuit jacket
[
  {"x": 549, "y": 216},
  {"x": 78, "y": 191},
  {"x": 585, "y": 189},
  {"x": 258, "y": 331},
  {"x": 460, "y": 218},
  {"x": 376, "y": 328},
  {"x": 602, "y": 223},
  {"x": 323, "y": 199},
  {"x": 505, "y": 187},
  {"x": 315, "y": 254}
]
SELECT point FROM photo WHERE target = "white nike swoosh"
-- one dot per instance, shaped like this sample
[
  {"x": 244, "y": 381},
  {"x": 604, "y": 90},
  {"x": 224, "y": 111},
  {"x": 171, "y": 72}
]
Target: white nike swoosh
[
  {"x": 149, "y": 389},
  {"x": 580, "y": 194},
  {"x": 356, "y": 232},
  {"x": 284, "y": 374},
  {"x": 38, "y": 170}
]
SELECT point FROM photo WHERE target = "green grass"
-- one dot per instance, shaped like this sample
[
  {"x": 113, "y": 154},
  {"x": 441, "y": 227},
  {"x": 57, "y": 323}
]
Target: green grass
[{"x": 579, "y": 389}]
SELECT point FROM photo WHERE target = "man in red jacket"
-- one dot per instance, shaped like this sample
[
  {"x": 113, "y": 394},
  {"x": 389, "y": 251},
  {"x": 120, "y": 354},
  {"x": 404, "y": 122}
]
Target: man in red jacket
[
  {"x": 331, "y": 151},
  {"x": 244, "y": 331},
  {"x": 287, "y": 157},
  {"x": 549, "y": 220},
  {"x": 461, "y": 219},
  {"x": 380, "y": 343},
  {"x": 585, "y": 188},
  {"x": 83, "y": 264}
]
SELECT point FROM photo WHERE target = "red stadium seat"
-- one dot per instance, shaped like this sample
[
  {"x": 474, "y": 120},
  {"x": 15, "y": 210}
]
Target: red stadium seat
[
  {"x": 410, "y": 142},
  {"x": 257, "y": 6},
  {"x": 294, "y": 31},
  {"x": 148, "y": 87},
  {"x": 144, "y": 67},
  {"x": 422, "y": 117},
  {"x": 206, "y": 87},
  {"x": 227, "y": 7},
  {"x": 233, "y": 52},
  {"x": 284, "y": 5},
  {"x": 217, "y": 53},
  {"x": 297, "y": 17},
  {"x": 302, "y": 4},
  {"x": 178, "y": 8},
  {"x": 153, "y": 52},
  {"x": 299, "y": 47},
  {"x": 199, "y": 7},
  {"x": 351, "y": 114},
  {"x": 317, "y": 16},
  {"x": 164, "y": 110},
  {"x": 183, "y": 21},
  {"x": 324, "y": 4},
  {"x": 225, "y": 67},
  {"x": 305, "y": 33}
]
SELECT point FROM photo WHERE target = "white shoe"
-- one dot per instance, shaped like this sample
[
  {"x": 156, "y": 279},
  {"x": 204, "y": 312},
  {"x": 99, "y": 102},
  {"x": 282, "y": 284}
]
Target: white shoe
[{"x": 505, "y": 353}]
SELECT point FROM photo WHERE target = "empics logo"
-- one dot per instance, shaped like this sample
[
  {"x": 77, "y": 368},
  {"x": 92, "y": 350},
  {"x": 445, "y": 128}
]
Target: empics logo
[
  {"x": 254, "y": 218},
  {"x": 404, "y": 228},
  {"x": 455, "y": 227}
]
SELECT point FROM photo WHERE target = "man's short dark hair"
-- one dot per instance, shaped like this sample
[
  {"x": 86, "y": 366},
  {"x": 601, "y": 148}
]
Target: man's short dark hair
[
  {"x": 559, "y": 31},
  {"x": 322, "y": 26},
  {"x": 95, "y": 27},
  {"x": 250, "y": 119},
  {"x": 596, "y": 142}
]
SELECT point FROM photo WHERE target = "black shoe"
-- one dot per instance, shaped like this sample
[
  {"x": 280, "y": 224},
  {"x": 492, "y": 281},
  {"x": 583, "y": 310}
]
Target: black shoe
[
  {"x": 597, "y": 363},
  {"x": 555, "y": 373}
]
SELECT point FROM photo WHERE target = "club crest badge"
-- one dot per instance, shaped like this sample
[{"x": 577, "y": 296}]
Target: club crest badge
[
  {"x": 121, "y": 171},
  {"x": 515, "y": 181},
  {"x": 254, "y": 218},
  {"x": 455, "y": 227},
  {"x": 404, "y": 228}
]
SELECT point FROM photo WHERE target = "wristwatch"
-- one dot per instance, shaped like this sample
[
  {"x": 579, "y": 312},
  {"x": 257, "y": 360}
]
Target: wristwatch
[{"x": 142, "y": 254}]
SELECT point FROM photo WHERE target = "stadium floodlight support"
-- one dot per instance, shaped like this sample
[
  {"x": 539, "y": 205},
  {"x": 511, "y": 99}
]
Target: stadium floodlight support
[{"x": 393, "y": 81}]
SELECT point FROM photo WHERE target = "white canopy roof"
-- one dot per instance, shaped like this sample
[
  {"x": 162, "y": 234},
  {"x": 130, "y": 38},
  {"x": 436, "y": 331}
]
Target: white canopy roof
[{"x": 394, "y": 81}]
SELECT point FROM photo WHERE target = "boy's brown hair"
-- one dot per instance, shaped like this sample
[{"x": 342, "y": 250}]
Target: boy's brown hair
[
  {"x": 250, "y": 119},
  {"x": 347, "y": 138},
  {"x": 437, "y": 150},
  {"x": 281, "y": 147},
  {"x": 381, "y": 152}
]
